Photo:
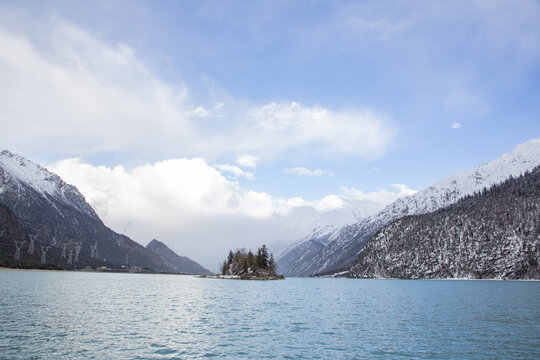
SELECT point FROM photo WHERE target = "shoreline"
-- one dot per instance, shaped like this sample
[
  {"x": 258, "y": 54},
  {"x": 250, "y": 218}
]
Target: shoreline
[
  {"x": 17, "y": 269},
  {"x": 97, "y": 271},
  {"x": 241, "y": 277},
  {"x": 279, "y": 277}
]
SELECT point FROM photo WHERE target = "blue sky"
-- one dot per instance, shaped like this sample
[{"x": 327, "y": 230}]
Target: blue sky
[{"x": 369, "y": 93}]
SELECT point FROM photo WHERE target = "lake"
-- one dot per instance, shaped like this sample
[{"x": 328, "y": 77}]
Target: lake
[{"x": 77, "y": 315}]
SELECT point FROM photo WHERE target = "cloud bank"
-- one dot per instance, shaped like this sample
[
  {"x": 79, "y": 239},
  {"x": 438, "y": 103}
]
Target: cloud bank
[
  {"x": 74, "y": 93},
  {"x": 191, "y": 206}
]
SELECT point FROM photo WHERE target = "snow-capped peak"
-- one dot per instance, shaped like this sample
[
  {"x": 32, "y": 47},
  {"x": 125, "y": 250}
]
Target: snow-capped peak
[
  {"x": 445, "y": 192},
  {"x": 524, "y": 157},
  {"x": 21, "y": 170},
  {"x": 320, "y": 233}
]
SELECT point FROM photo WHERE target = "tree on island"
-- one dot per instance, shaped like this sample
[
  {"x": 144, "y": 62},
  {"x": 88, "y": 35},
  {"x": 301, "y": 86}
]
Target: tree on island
[{"x": 246, "y": 263}]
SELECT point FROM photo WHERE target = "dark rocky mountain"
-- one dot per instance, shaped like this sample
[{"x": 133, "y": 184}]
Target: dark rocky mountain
[
  {"x": 494, "y": 234},
  {"x": 177, "y": 263},
  {"x": 346, "y": 243},
  {"x": 56, "y": 218}
]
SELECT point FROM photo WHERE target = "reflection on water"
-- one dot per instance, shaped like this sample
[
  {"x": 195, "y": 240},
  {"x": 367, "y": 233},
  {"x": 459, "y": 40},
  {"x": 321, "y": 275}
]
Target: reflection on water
[{"x": 66, "y": 315}]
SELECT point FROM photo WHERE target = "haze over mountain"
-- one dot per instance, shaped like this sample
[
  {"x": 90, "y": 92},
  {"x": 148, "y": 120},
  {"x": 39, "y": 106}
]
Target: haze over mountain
[
  {"x": 173, "y": 261},
  {"x": 344, "y": 244},
  {"x": 56, "y": 219}
]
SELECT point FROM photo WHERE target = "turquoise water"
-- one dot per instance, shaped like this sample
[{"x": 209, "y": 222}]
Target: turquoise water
[{"x": 67, "y": 315}]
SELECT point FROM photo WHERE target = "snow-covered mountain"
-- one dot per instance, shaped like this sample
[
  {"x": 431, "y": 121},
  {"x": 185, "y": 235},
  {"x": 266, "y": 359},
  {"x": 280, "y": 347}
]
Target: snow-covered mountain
[
  {"x": 291, "y": 260},
  {"x": 489, "y": 235},
  {"x": 56, "y": 219},
  {"x": 346, "y": 243},
  {"x": 18, "y": 174}
]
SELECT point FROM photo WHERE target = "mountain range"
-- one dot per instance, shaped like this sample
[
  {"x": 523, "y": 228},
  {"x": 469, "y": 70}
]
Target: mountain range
[
  {"x": 44, "y": 219},
  {"x": 51, "y": 222},
  {"x": 335, "y": 251}
]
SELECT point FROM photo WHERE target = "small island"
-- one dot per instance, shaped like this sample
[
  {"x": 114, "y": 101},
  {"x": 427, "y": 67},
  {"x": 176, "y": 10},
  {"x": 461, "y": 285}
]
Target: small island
[{"x": 242, "y": 265}]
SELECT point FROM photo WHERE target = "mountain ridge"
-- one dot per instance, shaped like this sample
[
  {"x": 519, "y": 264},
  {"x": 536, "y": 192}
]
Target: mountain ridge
[
  {"x": 56, "y": 218},
  {"x": 494, "y": 234},
  {"x": 43, "y": 181},
  {"x": 349, "y": 240},
  {"x": 180, "y": 264}
]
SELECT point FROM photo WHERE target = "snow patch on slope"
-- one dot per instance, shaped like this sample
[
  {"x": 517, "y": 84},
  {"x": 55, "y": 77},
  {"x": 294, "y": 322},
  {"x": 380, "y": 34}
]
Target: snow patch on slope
[
  {"x": 319, "y": 233},
  {"x": 23, "y": 171},
  {"x": 448, "y": 191}
]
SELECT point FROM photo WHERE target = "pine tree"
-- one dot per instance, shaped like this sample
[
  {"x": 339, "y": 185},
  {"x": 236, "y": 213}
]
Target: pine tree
[
  {"x": 246, "y": 263},
  {"x": 272, "y": 265},
  {"x": 251, "y": 262},
  {"x": 262, "y": 258},
  {"x": 225, "y": 268}
]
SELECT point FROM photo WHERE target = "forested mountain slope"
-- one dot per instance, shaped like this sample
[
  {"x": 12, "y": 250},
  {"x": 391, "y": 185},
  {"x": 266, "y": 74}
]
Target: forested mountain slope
[{"x": 494, "y": 234}]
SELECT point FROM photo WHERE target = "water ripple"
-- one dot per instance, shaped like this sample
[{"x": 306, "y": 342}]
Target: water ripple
[{"x": 65, "y": 315}]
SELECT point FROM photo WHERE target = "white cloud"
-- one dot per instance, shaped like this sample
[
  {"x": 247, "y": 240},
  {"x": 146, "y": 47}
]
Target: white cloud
[
  {"x": 456, "y": 126},
  {"x": 198, "y": 112},
  {"x": 291, "y": 125},
  {"x": 329, "y": 202},
  {"x": 247, "y": 160},
  {"x": 235, "y": 170},
  {"x": 201, "y": 112},
  {"x": 200, "y": 213},
  {"x": 307, "y": 172},
  {"x": 76, "y": 94},
  {"x": 81, "y": 96},
  {"x": 404, "y": 190},
  {"x": 375, "y": 198}
]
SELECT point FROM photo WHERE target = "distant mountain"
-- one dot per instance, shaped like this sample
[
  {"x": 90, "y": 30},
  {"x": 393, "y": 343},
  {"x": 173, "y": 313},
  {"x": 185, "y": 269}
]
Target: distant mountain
[
  {"x": 490, "y": 235},
  {"x": 169, "y": 258},
  {"x": 56, "y": 218},
  {"x": 346, "y": 243},
  {"x": 292, "y": 260}
]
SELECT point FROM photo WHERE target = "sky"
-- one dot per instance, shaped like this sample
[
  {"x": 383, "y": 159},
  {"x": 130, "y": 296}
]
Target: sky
[{"x": 216, "y": 125}]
